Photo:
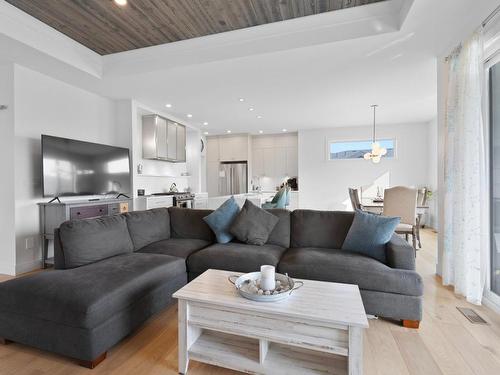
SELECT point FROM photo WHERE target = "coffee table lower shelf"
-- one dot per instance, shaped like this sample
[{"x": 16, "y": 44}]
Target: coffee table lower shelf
[{"x": 262, "y": 357}]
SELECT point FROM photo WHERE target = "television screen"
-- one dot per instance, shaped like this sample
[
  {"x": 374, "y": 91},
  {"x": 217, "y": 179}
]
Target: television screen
[{"x": 72, "y": 168}]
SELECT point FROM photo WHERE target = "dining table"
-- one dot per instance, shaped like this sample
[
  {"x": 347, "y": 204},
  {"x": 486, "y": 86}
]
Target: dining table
[{"x": 377, "y": 206}]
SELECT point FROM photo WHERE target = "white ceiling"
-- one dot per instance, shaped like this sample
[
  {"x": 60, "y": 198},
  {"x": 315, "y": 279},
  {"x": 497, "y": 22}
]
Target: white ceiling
[{"x": 330, "y": 82}]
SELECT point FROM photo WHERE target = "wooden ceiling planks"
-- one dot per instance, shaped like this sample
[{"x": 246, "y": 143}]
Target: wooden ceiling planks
[{"x": 107, "y": 28}]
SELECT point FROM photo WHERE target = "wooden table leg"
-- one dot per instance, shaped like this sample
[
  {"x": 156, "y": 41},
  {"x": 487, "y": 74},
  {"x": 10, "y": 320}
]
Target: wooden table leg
[
  {"x": 355, "y": 358},
  {"x": 187, "y": 336},
  {"x": 183, "y": 349}
]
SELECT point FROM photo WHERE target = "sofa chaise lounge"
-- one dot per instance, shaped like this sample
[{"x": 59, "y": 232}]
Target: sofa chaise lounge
[{"x": 113, "y": 273}]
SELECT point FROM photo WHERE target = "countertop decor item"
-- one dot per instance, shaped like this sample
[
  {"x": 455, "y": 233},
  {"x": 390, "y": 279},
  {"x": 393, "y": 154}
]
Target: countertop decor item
[
  {"x": 267, "y": 280},
  {"x": 249, "y": 286}
]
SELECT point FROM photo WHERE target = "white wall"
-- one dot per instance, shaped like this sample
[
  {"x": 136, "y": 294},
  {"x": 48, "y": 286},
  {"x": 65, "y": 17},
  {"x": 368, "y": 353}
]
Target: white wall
[
  {"x": 324, "y": 184},
  {"x": 44, "y": 105},
  {"x": 7, "y": 207}
]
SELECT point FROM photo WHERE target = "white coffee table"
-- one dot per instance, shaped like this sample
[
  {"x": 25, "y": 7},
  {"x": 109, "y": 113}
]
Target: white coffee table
[{"x": 317, "y": 330}]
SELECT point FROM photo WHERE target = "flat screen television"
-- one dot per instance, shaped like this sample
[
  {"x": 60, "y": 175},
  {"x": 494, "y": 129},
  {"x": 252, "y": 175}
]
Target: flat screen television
[{"x": 77, "y": 168}]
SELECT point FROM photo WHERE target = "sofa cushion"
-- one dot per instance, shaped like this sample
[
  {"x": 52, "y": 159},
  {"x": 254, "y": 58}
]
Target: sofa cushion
[
  {"x": 350, "y": 268},
  {"x": 189, "y": 223},
  {"x": 239, "y": 257},
  {"x": 326, "y": 229},
  {"x": 149, "y": 226},
  {"x": 221, "y": 219},
  {"x": 369, "y": 234},
  {"x": 253, "y": 225},
  {"x": 280, "y": 234},
  {"x": 87, "y": 296},
  {"x": 90, "y": 240},
  {"x": 177, "y": 247}
]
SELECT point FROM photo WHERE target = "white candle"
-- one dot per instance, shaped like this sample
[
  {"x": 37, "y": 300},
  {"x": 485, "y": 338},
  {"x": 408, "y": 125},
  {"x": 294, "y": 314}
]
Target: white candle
[{"x": 267, "y": 278}]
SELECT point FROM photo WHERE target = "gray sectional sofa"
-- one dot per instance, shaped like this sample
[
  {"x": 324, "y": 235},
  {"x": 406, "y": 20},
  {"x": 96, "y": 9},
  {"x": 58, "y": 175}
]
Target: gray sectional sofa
[{"x": 113, "y": 273}]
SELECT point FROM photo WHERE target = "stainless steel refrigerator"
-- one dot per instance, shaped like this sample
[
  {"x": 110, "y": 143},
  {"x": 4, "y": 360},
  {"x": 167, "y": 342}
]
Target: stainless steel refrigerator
[{"x": 233, "y": 177}]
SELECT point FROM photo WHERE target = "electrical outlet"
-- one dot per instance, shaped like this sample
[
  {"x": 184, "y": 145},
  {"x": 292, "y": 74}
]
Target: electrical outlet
[{"x": 29, "y": 243}]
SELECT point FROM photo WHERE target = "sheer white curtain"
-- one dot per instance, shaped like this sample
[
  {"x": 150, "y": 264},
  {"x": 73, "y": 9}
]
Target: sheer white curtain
[{"x": 465, "y": 177}]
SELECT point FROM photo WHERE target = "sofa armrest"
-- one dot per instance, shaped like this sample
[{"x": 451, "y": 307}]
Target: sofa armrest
[
  {"x": 59, "y": 263},
  {"x": 400, "y": 254}
]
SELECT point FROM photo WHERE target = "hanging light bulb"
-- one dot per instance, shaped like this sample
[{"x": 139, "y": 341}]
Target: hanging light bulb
[{"x": 377, "y": 151}]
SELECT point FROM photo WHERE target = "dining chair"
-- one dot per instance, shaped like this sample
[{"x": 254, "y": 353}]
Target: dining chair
[
  {"x": 401, "y": 201},
  {"x": 353, "y": 195},
  {"x": 279, "y": 199},
  {"x": 421, "y": 201}
]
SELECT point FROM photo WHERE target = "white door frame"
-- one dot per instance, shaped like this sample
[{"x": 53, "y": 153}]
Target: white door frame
[{"x": 490, "y": 298}]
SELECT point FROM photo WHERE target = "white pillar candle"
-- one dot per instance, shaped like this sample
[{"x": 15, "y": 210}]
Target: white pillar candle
[{"x": 267, "y": 278}]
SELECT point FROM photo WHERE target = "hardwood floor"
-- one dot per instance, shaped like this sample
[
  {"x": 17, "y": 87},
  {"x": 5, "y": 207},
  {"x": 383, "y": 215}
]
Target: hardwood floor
[{"x": 446, "y": 342}]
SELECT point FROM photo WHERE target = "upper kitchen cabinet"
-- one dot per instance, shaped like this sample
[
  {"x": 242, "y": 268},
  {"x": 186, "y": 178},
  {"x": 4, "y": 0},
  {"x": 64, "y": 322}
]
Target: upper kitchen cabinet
[
  {"x": 233, "y": 148},
  {"x": 275, "y": 156},
  {"x": 163, "y": 139},
  {"x": 227, "y": 148},
  {"x": 212, "y": 149},
  {"x": 181, "y": 143}
]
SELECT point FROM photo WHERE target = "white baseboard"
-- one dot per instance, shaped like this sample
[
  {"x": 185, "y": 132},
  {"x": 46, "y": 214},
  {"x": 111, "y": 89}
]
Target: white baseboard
[
  {"x": 28, "y": 266},
  {"x": 491, "y": 303},
  {"x": 7, "y": 269}
]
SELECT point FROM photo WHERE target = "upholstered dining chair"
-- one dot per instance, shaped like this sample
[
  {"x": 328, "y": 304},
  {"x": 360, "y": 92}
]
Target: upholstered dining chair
[
  {"x": 287, "y": 202},
  {"x": 353, "y": 195},
  {"x": 279, "y": 200},
  {"x": 421, "y": 201},
  {"x": 401, "y": 201}
]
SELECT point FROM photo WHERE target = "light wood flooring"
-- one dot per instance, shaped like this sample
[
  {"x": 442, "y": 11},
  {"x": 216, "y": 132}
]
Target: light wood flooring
[{"x": 446, "y": 342}]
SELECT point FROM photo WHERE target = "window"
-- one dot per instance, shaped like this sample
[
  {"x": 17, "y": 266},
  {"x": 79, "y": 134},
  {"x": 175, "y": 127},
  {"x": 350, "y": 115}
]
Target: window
[{"x": 341, "y": 150}]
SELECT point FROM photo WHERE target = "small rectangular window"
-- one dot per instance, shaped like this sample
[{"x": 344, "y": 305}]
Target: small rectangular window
[{"x": 341, "y": 150}]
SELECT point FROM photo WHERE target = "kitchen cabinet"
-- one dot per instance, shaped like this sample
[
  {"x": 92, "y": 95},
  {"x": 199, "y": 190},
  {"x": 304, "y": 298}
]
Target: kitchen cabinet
[
  {"x": 233, "y": 148},
  {"x": 181, "y": 143},
  {"x": 292, "y": 162},
  {"x": 268, "y": 161},
  {"x": 258, "y": 164},
  {"x": 163, "y": 139},
  {"x": 285, "y": 162},
  {"x": 212, "y": 149},
  {"x": 150, "y": 202},
  {"x": 280, "y": 156},
  {"x": 213, "y": 178},
  {"x": 171, "y": 140}
]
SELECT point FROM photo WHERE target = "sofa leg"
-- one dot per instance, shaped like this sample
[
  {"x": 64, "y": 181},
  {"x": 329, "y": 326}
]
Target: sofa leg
[
  {"x": 411, "y": 323},
  {"x": 5, "y": 341},
  {"x": 92, "y": 364}
]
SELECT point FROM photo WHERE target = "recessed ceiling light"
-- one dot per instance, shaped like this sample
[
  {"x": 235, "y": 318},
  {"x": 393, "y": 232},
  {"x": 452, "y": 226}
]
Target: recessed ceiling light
[
  {"x": 228, "y": 131},
  {"x": 206, "y": 133},
  {"x": 284, "y": 130},
  {"x": 259, "y": 116},
  {"x": 261, "y": 131},
  {"x": 205, "y": 123},
  {"x": 241, "y": 99},
  {"x": 251, "y": 109},
  {"x": 189, "y": 115},
  {"x": 121, "y": 2},
  {"x": 168, "y": 105}
]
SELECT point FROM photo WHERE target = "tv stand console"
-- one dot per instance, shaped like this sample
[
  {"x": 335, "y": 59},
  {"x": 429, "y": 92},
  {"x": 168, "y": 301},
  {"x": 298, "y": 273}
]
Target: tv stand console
[{"x": 53, "y": 214}]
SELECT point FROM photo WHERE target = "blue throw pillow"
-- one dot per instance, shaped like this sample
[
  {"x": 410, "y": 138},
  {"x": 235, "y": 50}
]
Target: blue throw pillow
[
  {"x": 221, "y": 219},
  {"x": 369, "y": 234}
]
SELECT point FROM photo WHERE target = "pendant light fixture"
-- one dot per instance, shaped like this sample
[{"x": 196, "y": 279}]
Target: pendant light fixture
[{"x": 377, "y": 152}]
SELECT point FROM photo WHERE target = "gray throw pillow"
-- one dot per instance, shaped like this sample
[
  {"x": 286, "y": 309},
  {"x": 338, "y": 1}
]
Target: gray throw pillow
[
  {"x": 369, "y": 234},
  {"x": 253, "y": 225},
  {"x": 90, "y": 240}
]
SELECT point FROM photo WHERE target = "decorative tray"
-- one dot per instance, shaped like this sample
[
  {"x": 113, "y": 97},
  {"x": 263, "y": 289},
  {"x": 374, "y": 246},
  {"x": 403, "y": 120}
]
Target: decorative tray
[{"x": 248, "y": 285}]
